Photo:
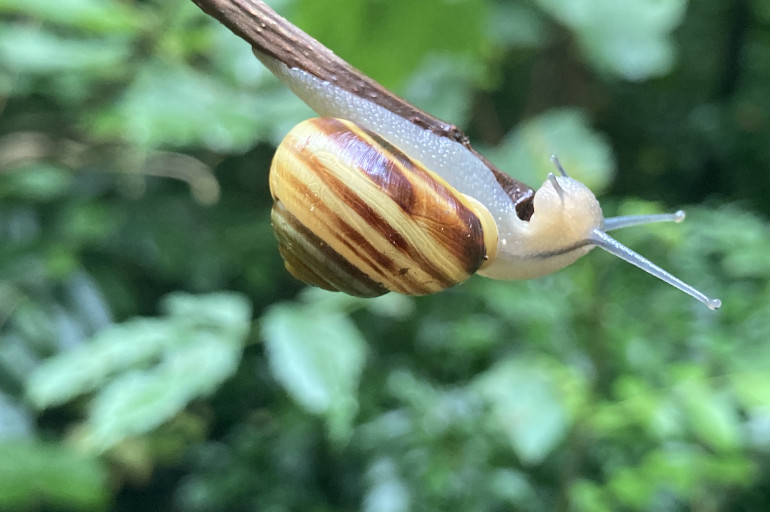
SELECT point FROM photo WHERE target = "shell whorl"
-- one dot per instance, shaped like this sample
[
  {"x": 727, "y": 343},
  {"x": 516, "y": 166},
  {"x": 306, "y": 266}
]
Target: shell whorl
[{"x": 355, "y": 214}]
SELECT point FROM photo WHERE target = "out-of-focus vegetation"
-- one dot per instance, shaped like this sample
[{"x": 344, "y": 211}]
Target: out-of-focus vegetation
[{"x": 154, "y": 355}]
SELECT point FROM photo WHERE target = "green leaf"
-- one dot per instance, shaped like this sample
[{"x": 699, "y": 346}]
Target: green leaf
[
  {"x": 513, "y": 486},
  {"x": 528, "y": 405},
  {"x": 711, "y": 413},
  {"x": 90, "y": 365},
  {"x": 444, "y": 84},
  {"x": 225, "y": 311},
  {"x": 34, "y": 50},
  {"x": 585, "y": 154},
  {"x": 752, "y": 389},
  {"x": 104, "y": 16},
  {"x": 34, "y": 473},
  {"x": 135, "y": 402},
  {"x": 146, "y": 370},
  {"x": 587, "y": 496},
  {"x": 317, "y": 354},
  {"x": 130, "y": 404},
  {"x": 169, "y": 104},
  {"x": 36, "y": 182},
  {"x": 367, "y": 42},
  {"x": 631, "y": 39},
  {"x": 387, "y": 491},
  {"x": 14, "y": 420},
  {"x": 517, "y": 24}
]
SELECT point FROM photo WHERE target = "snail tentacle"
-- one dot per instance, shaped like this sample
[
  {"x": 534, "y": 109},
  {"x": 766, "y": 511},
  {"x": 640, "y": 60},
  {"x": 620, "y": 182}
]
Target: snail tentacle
[
  {"x": 613, "y": 223},
  {"x": 567, "y": 223},
  {"x": 609, "y": 244}
]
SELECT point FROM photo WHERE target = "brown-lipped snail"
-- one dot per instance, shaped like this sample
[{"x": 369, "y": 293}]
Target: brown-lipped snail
[{"x": 368, "y": 200}]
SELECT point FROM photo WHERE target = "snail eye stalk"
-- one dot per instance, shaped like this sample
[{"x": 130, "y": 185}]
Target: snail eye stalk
[{"x": 600, "y": 238}]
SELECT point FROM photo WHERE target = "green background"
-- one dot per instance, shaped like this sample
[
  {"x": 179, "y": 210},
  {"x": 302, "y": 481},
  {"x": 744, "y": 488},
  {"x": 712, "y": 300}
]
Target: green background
[{"x": 155, "y": 355}]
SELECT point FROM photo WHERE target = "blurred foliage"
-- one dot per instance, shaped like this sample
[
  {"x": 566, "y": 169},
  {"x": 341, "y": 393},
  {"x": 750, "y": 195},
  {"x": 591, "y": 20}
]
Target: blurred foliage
[
  {"x": 135, "y": 139},
  {"x": 195, "y": 348}
]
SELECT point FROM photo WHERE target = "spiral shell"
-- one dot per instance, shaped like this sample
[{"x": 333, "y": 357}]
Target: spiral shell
[{"x": 353, "y": 213}]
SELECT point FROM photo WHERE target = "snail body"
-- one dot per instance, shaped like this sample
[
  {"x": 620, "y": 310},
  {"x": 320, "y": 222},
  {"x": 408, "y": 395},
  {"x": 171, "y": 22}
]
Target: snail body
[
  {"x": 517, "y": 241},
  {"x": 349, "y": 217},
  {"x": 353, "y": 213}
]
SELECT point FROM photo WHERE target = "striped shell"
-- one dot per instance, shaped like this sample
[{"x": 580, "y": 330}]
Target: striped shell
[{"x": 352, "y": 213}]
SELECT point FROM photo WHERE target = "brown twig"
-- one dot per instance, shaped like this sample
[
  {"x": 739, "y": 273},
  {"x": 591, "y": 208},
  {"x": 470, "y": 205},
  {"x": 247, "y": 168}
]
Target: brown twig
[{"x": 265, "y": 30}]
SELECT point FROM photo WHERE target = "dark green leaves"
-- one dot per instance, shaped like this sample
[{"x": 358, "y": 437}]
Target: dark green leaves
[
  {"x": 584, "y": 153},
  {"x": 35, "y": 474},
  {"x": 135, "y": 140},
  {"x": 26, "y": 50},
  {"x": 365, "y": 31},
  {"x": 530, "y": 405},
  {"x": 171, "y": 105},
  {"x": 318, "y": 354},
  {"x": 631, "y": 39},
  {"x": 145, "y": 371}
]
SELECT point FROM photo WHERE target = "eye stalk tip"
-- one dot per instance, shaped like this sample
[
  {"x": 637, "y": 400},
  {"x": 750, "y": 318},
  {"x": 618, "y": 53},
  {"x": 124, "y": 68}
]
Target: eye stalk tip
[
  {"x": 557, "y": 164},
  {"x": 713, "y": 304},
  {"x": 679, "y": 216},
  {"x": 556, "y": 186}
]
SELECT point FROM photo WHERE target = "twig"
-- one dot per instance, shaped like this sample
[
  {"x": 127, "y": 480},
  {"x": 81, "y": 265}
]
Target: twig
[{"x": 265, "y": 30}]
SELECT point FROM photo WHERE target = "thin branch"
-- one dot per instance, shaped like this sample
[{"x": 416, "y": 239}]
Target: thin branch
[{"x": 265, "y": 30}]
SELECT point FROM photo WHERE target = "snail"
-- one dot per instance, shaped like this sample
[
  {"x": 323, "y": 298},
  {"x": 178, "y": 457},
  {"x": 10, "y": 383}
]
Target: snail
[{"x": 377, "y": 196}]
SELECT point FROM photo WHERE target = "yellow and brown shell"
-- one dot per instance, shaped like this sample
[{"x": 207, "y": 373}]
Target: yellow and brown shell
[{"x": 352, "y": 213}]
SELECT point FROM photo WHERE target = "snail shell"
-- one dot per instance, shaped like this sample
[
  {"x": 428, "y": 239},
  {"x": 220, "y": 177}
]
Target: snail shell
[{"x": 353, "y": 213}]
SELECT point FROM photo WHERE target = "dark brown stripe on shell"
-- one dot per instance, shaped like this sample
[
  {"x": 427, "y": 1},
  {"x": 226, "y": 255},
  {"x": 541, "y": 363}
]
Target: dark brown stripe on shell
[
  {"x": 348, "y": 236},
  {"x": 356, "y": 241},
  {"x": 370, "y": 160},
  {"x": 314, "y": 262},
  {"x": 379, "y": 160},
  {"x": 469, "y": 242}
]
